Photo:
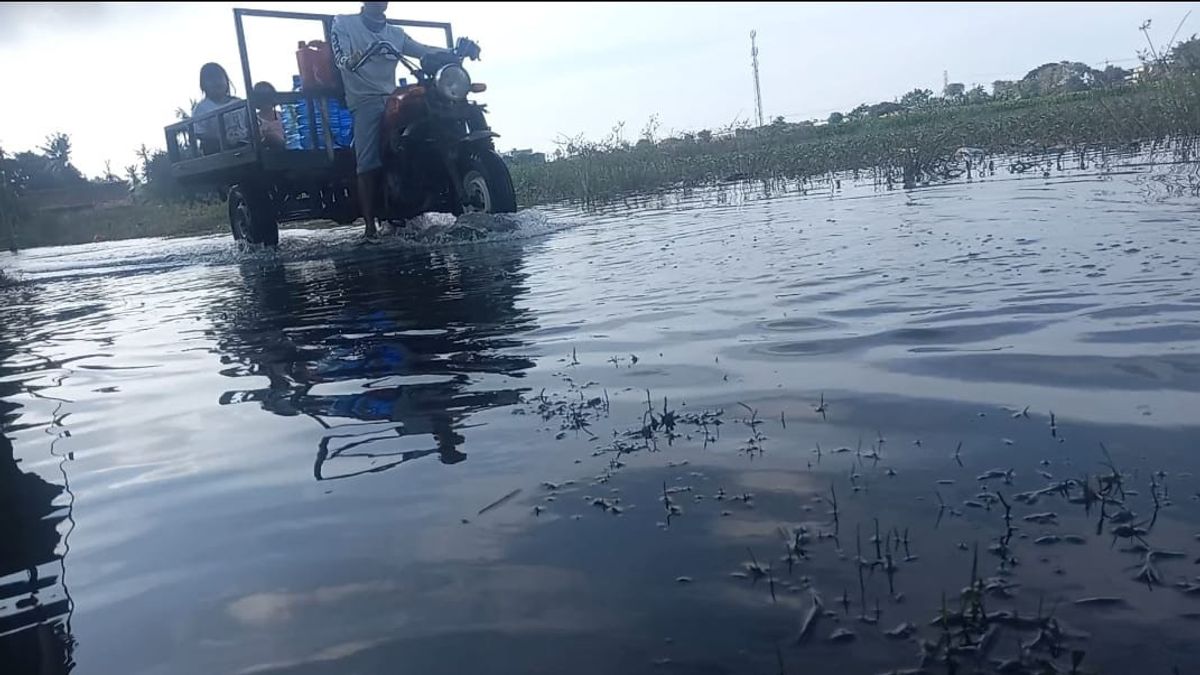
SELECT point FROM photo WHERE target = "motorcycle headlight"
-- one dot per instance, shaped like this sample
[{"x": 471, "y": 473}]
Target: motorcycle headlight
[{"x": 453, "y": 82}]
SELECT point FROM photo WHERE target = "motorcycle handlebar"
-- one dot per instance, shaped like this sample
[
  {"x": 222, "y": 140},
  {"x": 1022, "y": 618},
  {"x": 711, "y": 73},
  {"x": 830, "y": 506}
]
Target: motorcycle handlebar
[
  {"x": 374, "y": 49},
  {"x": 463, "y": 49}
]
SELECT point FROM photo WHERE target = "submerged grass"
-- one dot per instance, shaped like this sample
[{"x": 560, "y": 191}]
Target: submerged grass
[
  {"x": 121, "y": 221},
  {"x": 994, "y": 624},
  {"x": 904, "y": 148}
]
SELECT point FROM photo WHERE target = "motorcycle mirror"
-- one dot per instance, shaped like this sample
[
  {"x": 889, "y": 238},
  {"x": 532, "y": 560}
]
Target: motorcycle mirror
[{"x": 467, "y": 49}]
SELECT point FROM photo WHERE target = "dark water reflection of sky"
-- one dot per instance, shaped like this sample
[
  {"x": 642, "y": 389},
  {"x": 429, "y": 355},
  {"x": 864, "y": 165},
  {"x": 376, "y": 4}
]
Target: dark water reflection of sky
[{"x": 231, "y": 463}]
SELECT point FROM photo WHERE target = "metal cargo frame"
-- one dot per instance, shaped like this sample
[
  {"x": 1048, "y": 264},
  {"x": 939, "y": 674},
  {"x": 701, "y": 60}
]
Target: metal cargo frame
[{"x": 250, "y": 158}]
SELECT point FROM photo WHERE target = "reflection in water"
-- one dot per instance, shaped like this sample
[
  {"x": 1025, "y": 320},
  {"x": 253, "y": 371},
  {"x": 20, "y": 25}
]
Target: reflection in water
[
  {"x": 35, "y": 607},
  {"x": 384, "y": 353},
  {"x": 948, "y": 349}
]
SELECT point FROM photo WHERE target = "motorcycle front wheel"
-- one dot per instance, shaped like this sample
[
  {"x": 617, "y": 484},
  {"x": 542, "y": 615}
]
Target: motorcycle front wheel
[{"x": 487, "y": 184}]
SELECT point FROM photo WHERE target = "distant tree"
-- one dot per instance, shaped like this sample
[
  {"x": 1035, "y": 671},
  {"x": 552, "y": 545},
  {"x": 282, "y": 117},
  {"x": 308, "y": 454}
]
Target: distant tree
[
  {"x": 778, "y": 121},
  {"x": 954, "y": 91},
  {"x": 132, "y": 177},
  {"x": 34, "y": 172},
  {"x": 977, "y": 94},
  {"x": 1112, "y": 76},
  {"x": 109, "y": 176},
  {"x": 57, "y": 148},
  {"x": 862, "y": 111},
  {"x": 57, "y": 166},
  {"x": 650, "y": 131},
  {"x": 917, "y": 98},
  {"x": 704, "y": 135},
  {"x": 885, "y": 108},
  {"x": 1004, "y": 89},
  {"x": 11, "y": 209},
  {"x": 836, "y": 118},
  {"x": 1185, "y": 56},
  {"x": 1058, "y": 78},
  {"x": 157, "y": 178}
]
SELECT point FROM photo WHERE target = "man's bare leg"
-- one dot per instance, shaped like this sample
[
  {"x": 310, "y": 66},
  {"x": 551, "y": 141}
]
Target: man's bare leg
[{"x": 367, "y": 184}]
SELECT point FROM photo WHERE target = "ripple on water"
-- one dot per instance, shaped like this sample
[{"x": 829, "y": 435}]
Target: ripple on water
[
  {"x": 955, "y": 334},
  {"x": 300, "y": 455}
]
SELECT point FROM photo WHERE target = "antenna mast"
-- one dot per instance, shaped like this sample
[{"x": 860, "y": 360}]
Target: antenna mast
[{"x": 758, "y": 109}]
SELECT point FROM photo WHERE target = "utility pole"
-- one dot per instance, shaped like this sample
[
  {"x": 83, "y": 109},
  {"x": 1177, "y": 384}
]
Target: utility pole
[{"x": 758, "y": 109}]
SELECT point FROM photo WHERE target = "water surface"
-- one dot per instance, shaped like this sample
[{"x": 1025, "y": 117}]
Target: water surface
[{"x": 230, "y": 462}]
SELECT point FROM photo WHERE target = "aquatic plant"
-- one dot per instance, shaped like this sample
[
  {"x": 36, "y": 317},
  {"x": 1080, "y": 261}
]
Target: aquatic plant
[{"x": 903, "y": 149}]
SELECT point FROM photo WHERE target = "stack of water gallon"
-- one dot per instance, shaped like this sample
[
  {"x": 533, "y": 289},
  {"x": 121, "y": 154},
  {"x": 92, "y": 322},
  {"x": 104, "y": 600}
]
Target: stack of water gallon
[{"x": 316, "y": 79}]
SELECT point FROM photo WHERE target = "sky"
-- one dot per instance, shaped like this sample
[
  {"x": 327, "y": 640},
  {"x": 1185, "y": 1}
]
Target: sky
[{"x": 112, "y": 74}]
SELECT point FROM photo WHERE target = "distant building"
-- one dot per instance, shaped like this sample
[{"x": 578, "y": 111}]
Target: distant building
[{"x": 527, "y": 156}]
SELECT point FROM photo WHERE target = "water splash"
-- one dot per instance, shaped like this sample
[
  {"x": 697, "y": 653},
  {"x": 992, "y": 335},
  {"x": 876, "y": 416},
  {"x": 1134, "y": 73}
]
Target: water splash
[{"x": 297, "y": 244}]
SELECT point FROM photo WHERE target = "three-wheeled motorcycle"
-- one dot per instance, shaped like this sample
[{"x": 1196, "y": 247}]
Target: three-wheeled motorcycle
[{"x": 438, "y": 151}]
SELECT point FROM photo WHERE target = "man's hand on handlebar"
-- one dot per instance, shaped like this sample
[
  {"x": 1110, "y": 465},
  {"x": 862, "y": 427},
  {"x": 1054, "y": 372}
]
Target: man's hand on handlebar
[{"x": 467, "y": 49}]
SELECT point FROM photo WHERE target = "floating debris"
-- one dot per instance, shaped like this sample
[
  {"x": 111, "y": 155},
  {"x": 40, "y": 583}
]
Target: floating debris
[
  {"x": 498, "y": 502},
  {"x": 1006, "y": 474},
  {"x": 842, "y": 635},
  {"x": 810, "y": 619},
  {"x": 1042, "y": 518},
  {"x": 1101, "y": 601}
]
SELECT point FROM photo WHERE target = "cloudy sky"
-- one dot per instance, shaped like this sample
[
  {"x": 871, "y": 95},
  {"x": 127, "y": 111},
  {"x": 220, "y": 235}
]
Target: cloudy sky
[{"x": 112, "y": 74}]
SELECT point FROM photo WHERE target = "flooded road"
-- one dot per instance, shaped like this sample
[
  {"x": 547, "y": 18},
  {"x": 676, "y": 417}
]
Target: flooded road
[{"x": 715, "y": 433}]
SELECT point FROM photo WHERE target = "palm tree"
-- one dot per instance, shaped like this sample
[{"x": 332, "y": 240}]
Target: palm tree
[
  {"x": 10, "y": 206},
  {"x": 58, "y": 149}
]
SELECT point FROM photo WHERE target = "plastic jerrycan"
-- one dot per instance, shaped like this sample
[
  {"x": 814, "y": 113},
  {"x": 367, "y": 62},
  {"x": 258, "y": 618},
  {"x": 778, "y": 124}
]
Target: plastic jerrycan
[{"x": 318, "y": 76}]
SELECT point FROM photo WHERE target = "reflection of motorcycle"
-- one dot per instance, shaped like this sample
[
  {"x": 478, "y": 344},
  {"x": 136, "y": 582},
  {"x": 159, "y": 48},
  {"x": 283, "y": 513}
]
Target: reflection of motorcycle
[
  {"x": 389, "y": 373},
  {"x": 438, "y": 153}
]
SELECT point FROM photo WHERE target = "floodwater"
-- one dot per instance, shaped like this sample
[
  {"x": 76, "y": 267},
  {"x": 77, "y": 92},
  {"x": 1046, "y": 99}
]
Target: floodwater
[{"x": 438, "y": 457}]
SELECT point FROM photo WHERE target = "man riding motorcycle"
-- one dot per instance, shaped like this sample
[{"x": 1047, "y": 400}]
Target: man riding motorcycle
[{"x": 367, "y": 87}]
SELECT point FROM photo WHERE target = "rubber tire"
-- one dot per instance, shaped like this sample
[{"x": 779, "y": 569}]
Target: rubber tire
[
  {"x": 497, "y": 178},
  {"x": 252, "y": 216}
]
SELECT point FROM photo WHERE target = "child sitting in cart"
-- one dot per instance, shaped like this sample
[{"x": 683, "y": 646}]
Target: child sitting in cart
[
  {"x": 214, "y": 82},
  {"x": 270, "y": 127}
]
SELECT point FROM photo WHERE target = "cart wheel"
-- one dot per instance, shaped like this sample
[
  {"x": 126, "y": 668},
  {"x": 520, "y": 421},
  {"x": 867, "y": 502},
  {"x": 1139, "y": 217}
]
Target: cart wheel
[
  {"x": 488, "y": 184},
  {"x": 252, "y": 216}
]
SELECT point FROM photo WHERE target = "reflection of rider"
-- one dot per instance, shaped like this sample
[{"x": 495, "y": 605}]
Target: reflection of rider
[
  {"x": 395, "y": 365},
  {"x": 368, "y": 87}
]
